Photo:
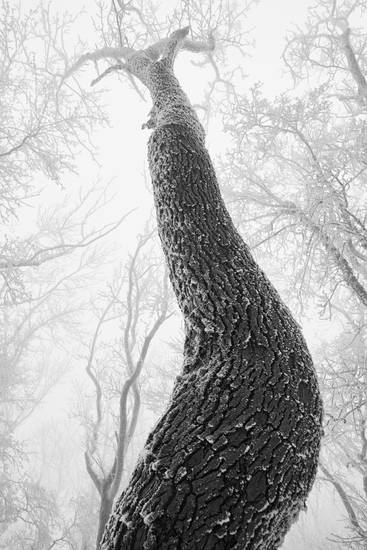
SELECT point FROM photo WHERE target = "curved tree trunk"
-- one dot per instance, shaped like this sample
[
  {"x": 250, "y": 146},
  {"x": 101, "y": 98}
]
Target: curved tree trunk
[{"x": 232, "y": 460}]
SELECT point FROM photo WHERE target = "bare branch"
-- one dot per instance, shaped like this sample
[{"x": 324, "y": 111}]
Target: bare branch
[
  {"x": 345, "y": 500},
  {"x": 353, "y": 64},
  {"x": 93, "y": 440},
  {"x": 53, "y": 252},
  {"x": 167, "y": 48},
  {"x": 92, "y": 473}
]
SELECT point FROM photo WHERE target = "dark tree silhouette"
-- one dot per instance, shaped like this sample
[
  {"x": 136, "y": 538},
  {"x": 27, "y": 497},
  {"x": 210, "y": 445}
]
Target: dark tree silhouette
[{"x": 232, "y": 460}]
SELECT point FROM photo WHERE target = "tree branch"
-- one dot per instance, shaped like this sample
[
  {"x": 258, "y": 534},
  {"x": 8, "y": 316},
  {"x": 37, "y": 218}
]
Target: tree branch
[
  {"x": 92, "y": 443},
  {"x": 345, "y": 500},
  {"x": 92, "y": 474},
  {"x": 167, "y": 47},
  {"x": 60, "y": 250},
  {"x": 353, "y": 64}
]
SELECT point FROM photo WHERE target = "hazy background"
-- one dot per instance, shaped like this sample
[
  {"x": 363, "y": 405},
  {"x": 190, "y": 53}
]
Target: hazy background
[{"x": 83, "y": 283}]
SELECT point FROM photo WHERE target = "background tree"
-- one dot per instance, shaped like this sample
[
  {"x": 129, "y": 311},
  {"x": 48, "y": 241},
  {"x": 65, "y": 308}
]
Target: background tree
[
  {"x": 315, "y": 53},
  {"x": 39, "y": 329},
  {"x": 139, "y": 302},
  {"x": 43, "y": 126},
  {"x": 315, "y": 139}
]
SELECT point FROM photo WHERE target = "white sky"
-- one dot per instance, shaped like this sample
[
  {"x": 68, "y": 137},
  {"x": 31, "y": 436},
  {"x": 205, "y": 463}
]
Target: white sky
[{"x": 122, "y": 148}]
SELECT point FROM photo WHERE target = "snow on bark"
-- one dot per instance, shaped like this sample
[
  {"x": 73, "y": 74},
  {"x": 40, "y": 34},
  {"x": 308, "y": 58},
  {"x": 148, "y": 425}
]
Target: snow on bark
[{"x": 232, "y": 460}]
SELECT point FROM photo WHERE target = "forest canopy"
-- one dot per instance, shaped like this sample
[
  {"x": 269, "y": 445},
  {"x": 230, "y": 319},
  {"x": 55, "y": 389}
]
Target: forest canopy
[{"x": 91, "y": 339}]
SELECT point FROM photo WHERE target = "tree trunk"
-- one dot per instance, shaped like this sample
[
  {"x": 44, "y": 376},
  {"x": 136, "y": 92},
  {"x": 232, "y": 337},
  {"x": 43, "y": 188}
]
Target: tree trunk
[
  {"x": 232, "y": 460},
  {"x": 105, "y": 508}
]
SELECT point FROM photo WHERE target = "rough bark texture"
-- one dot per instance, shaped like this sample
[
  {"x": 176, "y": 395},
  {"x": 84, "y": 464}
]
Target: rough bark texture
[{"x": 233, "y": 458}]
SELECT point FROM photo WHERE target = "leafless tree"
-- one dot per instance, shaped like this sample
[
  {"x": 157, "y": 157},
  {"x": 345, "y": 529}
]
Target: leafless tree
[
  {"x": 332, "y": 44},
  {"x": 44, "y": 123},
  {"x": 344, "y": 464},
  {"x": 315, "y": 140},
  {"x": 194, "y": 226},
  {"x": 294, "y": 180},
  {"x": 140, "y": 303}
]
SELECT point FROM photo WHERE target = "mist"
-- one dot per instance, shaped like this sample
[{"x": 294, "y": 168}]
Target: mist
[{"x": 92, "y": 337}]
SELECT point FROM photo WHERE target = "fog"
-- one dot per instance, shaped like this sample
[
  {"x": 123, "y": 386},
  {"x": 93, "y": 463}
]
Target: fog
[{"x": 87, "y": 310}]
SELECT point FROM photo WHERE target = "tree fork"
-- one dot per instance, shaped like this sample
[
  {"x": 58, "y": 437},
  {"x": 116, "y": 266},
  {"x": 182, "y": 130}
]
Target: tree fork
[{"x": 232, "y": 460}]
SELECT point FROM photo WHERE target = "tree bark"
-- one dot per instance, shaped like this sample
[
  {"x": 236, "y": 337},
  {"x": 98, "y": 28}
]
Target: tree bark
[{"x": 233, "y": 458}]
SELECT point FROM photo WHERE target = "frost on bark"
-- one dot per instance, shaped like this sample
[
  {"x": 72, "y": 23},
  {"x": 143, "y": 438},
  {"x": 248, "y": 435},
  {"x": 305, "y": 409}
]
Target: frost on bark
[{"x": 232, "y": 460}]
